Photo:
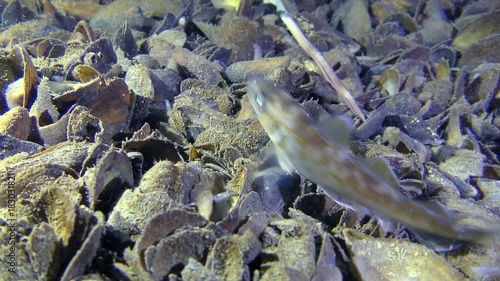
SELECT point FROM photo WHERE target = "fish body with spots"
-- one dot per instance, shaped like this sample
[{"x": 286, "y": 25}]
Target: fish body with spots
[{"x": 320, "y": 153}]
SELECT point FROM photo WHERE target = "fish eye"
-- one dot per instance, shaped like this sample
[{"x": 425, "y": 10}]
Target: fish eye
[{"x": 259, "y": 100}]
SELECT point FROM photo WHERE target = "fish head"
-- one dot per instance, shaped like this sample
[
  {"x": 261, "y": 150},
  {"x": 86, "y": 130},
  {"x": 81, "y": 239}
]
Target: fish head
[
  {"x": 274, "y": 107},
  {"x": 266, "y": 97}
]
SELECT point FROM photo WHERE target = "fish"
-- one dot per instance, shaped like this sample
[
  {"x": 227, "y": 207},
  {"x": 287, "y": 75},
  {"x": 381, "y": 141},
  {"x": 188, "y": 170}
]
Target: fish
[{"x": 319, "y": 151}]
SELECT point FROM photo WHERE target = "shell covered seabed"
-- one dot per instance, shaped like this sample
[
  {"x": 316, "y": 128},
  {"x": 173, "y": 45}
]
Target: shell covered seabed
[{"x": 129, "y": 148}]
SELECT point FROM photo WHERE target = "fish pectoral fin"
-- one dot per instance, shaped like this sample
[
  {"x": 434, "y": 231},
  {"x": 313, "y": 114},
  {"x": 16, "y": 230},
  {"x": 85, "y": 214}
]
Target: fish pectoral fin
[
  {"x": 284, "y": 161},
  {"x": 381, "y": 168},
  {"x": 336, "y": 130},
  {"x": 437, "y": 243},
  {"x": 273, "y": 157}
]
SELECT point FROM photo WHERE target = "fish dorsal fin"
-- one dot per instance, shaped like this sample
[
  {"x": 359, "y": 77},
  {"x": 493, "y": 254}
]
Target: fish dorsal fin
[
  {"x": 382, "y": 169},
  {"x": 336, "y": 130}
]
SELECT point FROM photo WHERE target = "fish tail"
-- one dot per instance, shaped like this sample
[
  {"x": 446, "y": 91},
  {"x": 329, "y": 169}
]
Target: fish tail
[
  {"x": 484, "y": 237},
  {"x": 456, "y": 235}
]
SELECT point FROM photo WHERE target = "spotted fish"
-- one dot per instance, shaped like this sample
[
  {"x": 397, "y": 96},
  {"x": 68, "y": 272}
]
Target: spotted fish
[{"x": 304, "y": 145}]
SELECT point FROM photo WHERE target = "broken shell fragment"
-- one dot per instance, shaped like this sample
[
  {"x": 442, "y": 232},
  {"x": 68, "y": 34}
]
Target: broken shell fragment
[
  {"x": 198, "y": 66},
  {"x": 22, "y": 91},
  {"x": 83, "y": 258},
  {"x": 46, "y": 48},
  {"x": 12, "y": 146},
  {"x": 83, "y": 33},
  {"x": 277, "y": 189},
  {"x": 482, "y": 28},
  {"x": 124, "y": 40},
  {"x": 294, "y": 251},
  {"x": 326, "y": 269},
  {"x": 161, "y": 235},
  {"x": 387, "y": 259},
  {"x": 99, "y": 55},
  {"x": 37, "y": 251},
  {"x": 194, "y": 271},
  {"x": 172, "y": 253},
  {"x": 112, "y": 104},
  {"x": 85, "y": 73},
  {"x": 14, "y": 94},
  {"x": 240, "y": 72},
  {"x": 462, "y": 163},
  {"x": 82, "y": 125},
  {"x": 60, "y": 212},
  {"x": 228, "y": 35},
  {"x": 161, "y": 45},
  {"x": 44, "y": 249},
  {"x": 16, "y": 123},
  {"x": 107, "y": 180},
  {"x": 390, "y": 82},
  {"x": 223, "y": 250}
]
